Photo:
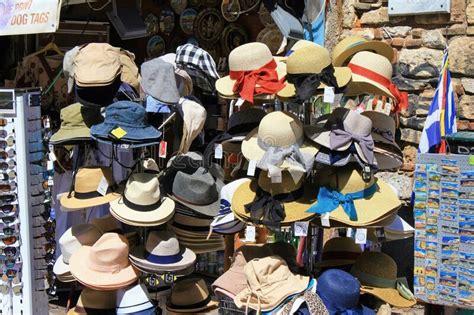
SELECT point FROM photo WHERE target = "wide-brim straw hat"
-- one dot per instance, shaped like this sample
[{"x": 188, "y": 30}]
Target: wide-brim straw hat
[
  {"x": 339, "y": 251},
  {"x": 190, "y": 296},
  {"x": 141, "y": 223},
  {"x": 351, "y": 45}
]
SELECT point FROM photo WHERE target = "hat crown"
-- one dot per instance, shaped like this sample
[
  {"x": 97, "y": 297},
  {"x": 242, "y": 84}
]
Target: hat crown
[
  {"x": 338, "y": 289},
  {"x": 88, "y": 179},
  {"x": 189, "y": 292},
  {"x": 106, "y": 223},
  {"x": 280, "y": 129},
  {"x": 250, "y": 56},
  {"x": 350, "y": 121},
  {"x": 381, "y": 121},
  {"x": 159, "y": 80},
  {"x": 343, "y": 45},
  {"x": 162, "y": 243},
  {"x": 143, "y": 189},
  {"x": 341, "y": 244},
  {"x": 262, "y": 272},
  {"x": 286, "y": 186},
  {"x": 136, "y": 297},
  {"x": 311, "y": 59},
  {"x": 109, "y": 253},
  {"x": 349, "y": 181},
  {"x": 77, "y": 236},
  {"x": 373, "y": 62},
  {"x": 125, "y": 113},
  {"x": 71, "y": 116},
  {"x": 302, "y": 43},
  {"x": 198, "y": 188},
  {"x": 375, "y": 264},
  {"x": 96, "y": 64},
  {"x": 97, "y": 300}
]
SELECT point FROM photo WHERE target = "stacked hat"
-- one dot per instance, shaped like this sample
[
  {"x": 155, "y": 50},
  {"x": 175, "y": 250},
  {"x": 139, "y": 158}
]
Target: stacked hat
[
  {"x": 107, "y": 223},
  {"x": 351, "y": 45},
  {"x": 339, "y": 252},
  {"x": 194, "y": 117},
  {"x": 190, "y": 296},
  {"x": 159, "y": 81},
  {"x": 135, "y": 300},
  {"x": 398, "y": 229},
  {"x": 183, "y": 80},
  {"x": 95, "y": 302}
]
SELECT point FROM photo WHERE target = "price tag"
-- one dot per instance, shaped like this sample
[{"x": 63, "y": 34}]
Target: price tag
[
  {"x": 50, "y": 182},
  {"x": 338, "y": 98},
  {"x": 349, "y": 232},
  {"x": 250, "y": 234},
  {"x": 252, "y": 168},
  {"x": 118, "y": 133},
  {"x": 49, "y": 165},
  {"x": 325, "y": 220},
  {"x": 329, "y": 95},
  {"x": 124, "y": 146},
  {"x": 275, "y": 174},
  {"x": 103, "y": 186},
  {"x": 239, "y": 102},
  {"x": 361, "y": 236},
  {"x": 163, "y": 149},
  {"x": 169, "y": 278},
  {"x": 52, "y": 156},
  {"x": 218, "y": 151},
  {"x": 301, "y": 228}
]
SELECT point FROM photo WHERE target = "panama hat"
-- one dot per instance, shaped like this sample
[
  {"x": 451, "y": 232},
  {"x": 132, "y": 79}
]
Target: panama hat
[
  {"x": 95, "y": 302},
  {"x": 190, "y": 296},
  {"x": 86, "y": 184},
  {"x": 162, "y": 253},
  {"x": 339, "y": 251},
  {"x": 134, "y": 300},
  {"x": 351, "y": 45},
  {"x": 313, "y": 60},
  {"x": 142, "y": 202},
  {"x": 377, "y": 273},
  {"x": 105, "y": 265}
]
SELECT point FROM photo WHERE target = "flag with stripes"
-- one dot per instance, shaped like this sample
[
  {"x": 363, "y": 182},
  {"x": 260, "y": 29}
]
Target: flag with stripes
[{"x": 441, "y": 120}]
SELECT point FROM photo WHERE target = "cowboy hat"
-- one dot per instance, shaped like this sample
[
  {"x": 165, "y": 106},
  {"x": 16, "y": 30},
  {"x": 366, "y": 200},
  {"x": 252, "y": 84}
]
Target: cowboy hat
[{"x": 351, "y": 45}]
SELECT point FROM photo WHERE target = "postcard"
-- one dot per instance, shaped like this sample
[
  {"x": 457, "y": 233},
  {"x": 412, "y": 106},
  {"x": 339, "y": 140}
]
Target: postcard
[
  {"x": 467, "y": 239},
  {"x": 431, "y": 254},
  {"x": 467, "y": 175},
  {"x": 445, "y": 169},
  {"x": 448, "y": 275},
  {"x": 468, "y": 225},
  {"x": 449, "y": 178},
  {"x": 448, "y": 282},
  {"x": 449, "y": 216},
  {"x": 449, "y": 208},
  {"x": 449, "y": 162},
  {"x": 434, "y": 186},
  {"x": 466, "y": 232},
  {"x": 449, "y": 193},
  {"x": 420, "y": 168},
  {"x": 434, "y": 176},
  {"x": 420, "y": 186},
  {"x": 431, "y": 245},
  {"x": 433, "y": 203},
  {"x": 467, "y": 183}
]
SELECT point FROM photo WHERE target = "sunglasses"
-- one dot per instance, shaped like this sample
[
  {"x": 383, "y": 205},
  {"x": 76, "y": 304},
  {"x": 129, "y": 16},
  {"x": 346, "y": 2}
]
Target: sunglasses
[
  {"x": 10, "y": 273},
  {"x": 9, "y": 252},
  {"x": 7, "y": 165},
  {"x": 8, "y": 142},
  {"x": 8, "y": 209},
  {"x": 7, "y": 187},
  {"x": 11, "y": 175},
  {"x": 9, "y": 240},
  {"x": 9, "y": 231},
  {"x": 7, "y": 198},
  {"x": 8, "y": 220},
  {"x": 7, "y": 154},
  {"x": 3, "y": 122}
]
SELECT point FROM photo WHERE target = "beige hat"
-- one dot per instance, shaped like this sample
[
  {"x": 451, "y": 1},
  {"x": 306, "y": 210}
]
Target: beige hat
[
  {"x": 302, "y": 43},
  {"x": 107, "y": 223},
  {"x": 194, "y": 117},
  {"x": 269, "y": 282},
  {"x": 351, "y": 45},
  {"x": 190, "y": 296},
  {"x": 73, "y": 128},
  {"x": 94, "y": 300},
  {"x": 68, "y": 67},
  {"x": 142, "y": 202},
  {"x": 339, "y": 251}
]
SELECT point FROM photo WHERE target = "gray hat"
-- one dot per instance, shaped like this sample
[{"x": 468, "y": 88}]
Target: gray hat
[{"x": 159, "y": 81}]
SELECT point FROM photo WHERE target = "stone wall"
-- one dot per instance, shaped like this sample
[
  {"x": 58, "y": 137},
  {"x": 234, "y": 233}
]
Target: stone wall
[{"x": 418, "y": 42}]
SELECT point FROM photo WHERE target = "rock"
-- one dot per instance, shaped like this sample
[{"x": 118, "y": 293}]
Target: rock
[
  {"x": 397, "y": 42},
  {"x": 405, "y": 84},
  {"x": 414, "y": 122},
  {"x": 470, "y": 30},
  {"x": 417, "y": 32},
  {"x": 461, "y": 51},
  {"x": 411, "y": 42},
  {"x": 458, "y": 11},
  {"x": 367, "y": 5},
  {"x": 433, "y": 39},
  {"x": 349, "y": 14},
  {"x": 378, "y": 33},
  {"x": 410, "y": 135},
  {"x": 375, "y": 17},
  {"x": 400, "y": 181},
  {"x": 457, "y": 29},
  {"x": 420, "y": 63},
  {"x": 470, "y": 12},
  {"x": 396, "y": 31},
  {"x": 468, "y": 85},
  {"x": 424, "y": 102},
  {"x": 412, "y": 101},
  {"x": 367, "y": 33},
  {"x": 457, "y": 86},
  {"x": 431, "y": 19},
  {"x": 409, "y": 158},
  {"x": 466, "y": 107},
  {"x": 462, "y": 125}
]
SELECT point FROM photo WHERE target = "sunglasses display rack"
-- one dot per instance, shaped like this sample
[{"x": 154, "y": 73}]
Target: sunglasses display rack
[{"x": 24, "y": 167}]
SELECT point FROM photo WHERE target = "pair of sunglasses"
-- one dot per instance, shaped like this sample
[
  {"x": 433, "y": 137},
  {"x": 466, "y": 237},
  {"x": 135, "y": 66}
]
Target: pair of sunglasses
[
  {"x": 9, "y": 231},
  {"x": 11, "y": 175},
  {"x": 5, "y": 166},
  {"x": 7, "y": 198},
  {"x": 9, "y": 240},
  {"x": 7, "y": 187},
  {"x": 8, "y": 142},
  {"x": 9, "y": 252},
  {"x": 8, "y": 220},
  {"x": 8, "y": 209},
  {"x": 7, "y": 154}
]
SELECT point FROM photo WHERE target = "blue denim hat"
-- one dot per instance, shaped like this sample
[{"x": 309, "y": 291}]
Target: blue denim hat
[{"x": 130, "y": 117}]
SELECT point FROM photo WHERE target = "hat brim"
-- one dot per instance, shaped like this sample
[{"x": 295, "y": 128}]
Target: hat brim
[
  {"x": 65, "y": 135},
  {"x": 378, "y": 47},
  {"x": 231, "y": 280},
  {"x": 387, "y": 161},
  {"x": 137, "y": 257},
  {"x": 145, "y": 218},
  {"x": 104, "y": 129},
  {"x": 362, "y": 85},
  {"x": 209, "y": 210},
  {"x": 193, "y": 310},
  {"x": 334, "y": 263},
  {"x": 133, "y": 223},
  {"x": 72, "y": 203},
  {"x": 60, "y": 267},
  {"x": 66, "y": 278},
  {"x": 95, "y": 279},
  {"x": 388, "y": 295}
]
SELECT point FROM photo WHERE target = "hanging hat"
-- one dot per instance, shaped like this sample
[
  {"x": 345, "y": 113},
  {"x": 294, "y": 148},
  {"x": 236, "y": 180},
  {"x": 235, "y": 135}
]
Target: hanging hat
[
  {"x": 269, "y": 282},
  {"x": 162, "y": 253},
  {"x": 86, "y": 184},
  {"x": 68, "y": 67},
  {"x": 184, "y": 81},
  {"x": 309, "y": 69},
  {"x": 194, "y": 117},
  {"x": 377, "y": 273},
  {"x": 338, "y": 252},
  {"x": 159, "y": 81},
  {"x": 104, "y": 265},
  {"x": 107, "y": 223},
  {"x": 71, "y": 241},
  {"x": 135, "y": 300},
  {"x": 141, "y": 203},
  {"x": 340, "y": 293},
  {"x": 190, "y": 296},
  {"x": 95, "y": 302},
  {"x": 252, "y": 71},
  {"x": 350, "y": 200},
  {"x": 351, "y": 45}
]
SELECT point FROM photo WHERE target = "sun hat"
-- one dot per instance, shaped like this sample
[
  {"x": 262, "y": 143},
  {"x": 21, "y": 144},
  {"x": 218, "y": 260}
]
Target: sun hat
[
  {"x": 107, "y": 223},
  {"x": 194, "y": 117},
  {"x": 340, "y": 292},
  {"x": 135, "y": 300},
  {"x": 269, "y": 282},
  {"x": 104, "y": 265},
  {"x": 142, "y": 202},
  {"x": 252, "y": 71},
  {"x": 302, "y": 43},
  {"x": 351, "y": 45},
  {"x": 309, "y": 69},
  {"x": 184, "y": 81},
  {"x": 68, "y": 67},
  {"x": 159, "y": 81},
  {"x": 388, "y": 157},
  {"x": 339, "y": 251},
  {"x": 97, "y": 96},
  {"x": 190, "y": 296},
  {"x": 188, "y": 163},
  {"x": 377, "y": 273},
  {"x": 95, "y": 302},
  {"x": 271, "y": 204},
  {"x": 86, "y": 185},
  {"x": 162, "y": 252}
]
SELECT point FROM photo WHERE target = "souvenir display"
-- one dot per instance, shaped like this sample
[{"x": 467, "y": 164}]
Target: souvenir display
[
  {"x": 152, "y": 24},
  {"x": 166, "y": 21},
  {"x": 178, "y": 5},
  {"x": 186, "y": 20},
  {"x": 208, "y": 26},
  {"x": 232, "y": 37},
  {"x": 156, "y": 46}
]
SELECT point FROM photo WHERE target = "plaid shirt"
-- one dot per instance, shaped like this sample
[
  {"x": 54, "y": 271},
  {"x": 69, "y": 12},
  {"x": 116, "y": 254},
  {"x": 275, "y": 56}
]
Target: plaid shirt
[{"x": 199, "y": 64}]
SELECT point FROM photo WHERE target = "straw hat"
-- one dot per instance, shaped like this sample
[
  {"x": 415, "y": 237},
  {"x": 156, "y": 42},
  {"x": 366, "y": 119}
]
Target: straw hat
[
  {"x": 351, "y": 45},
  {"x": 142, "y": 202},
  {"x": 377, "y": 272},
  {"x": 339, "y": 251},
  {"x": 134, "y": 300},
  {"x": 95, "y": 302},
  {"x": 85, "y": 194},
  {"x": 190, "y": 296},
  {"x": 105, "y": 265},
  {"x": 302, "y": 43}
]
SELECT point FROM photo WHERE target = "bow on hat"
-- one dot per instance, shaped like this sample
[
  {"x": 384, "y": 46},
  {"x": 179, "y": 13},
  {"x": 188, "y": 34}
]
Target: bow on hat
[
  {"x": 338, "y": 138},
  {"x": 266, "y": 206},
  {"x": 306, "y": 85}
]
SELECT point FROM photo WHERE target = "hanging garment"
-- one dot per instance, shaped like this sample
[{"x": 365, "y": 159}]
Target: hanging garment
[{"x": 315, "y": 14}]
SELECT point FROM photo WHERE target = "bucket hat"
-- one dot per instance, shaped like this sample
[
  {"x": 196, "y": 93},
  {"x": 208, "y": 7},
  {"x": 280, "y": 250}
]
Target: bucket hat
[
  {"x": 68, "y": 67},
  {"x": 194, "y": 117},
  {"x": 86, "y": 184},
  {"x": 142, "y": 202},
  {"x": 131, "y": 118},
  {"x": 161, "y": 253},
  {"x": 95, "y": 302},
  {"x": 252, "y": 71},
  {"x": 187, "y": 163},
  {"x": 377, "y": 273},
  {"x": 107, "y": 223},
  {"x": 340, "y": 293},
  {"x": 338, "y": 252},
  {"x": 351, "y": 45},
  {"x": 135, "y": 300},
  {"x": 104, "y": 265},
  {"x": 159, "y": 81},
  {"x": 183, "y": 80},
  {"x": 190, "y": 296},
  {"x": 269, "y": 282},
  {"x": 309, "y": 69},
  {"x": 72, "y": 240}
]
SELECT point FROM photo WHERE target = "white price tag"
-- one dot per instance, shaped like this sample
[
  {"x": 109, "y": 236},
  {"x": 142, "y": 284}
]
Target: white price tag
[
  {"x": 275, "y": 174},
  {"x": 301, "y": 228},
  {"x": 252, "y": 168},
  {"x": 50, "y": 165},
  {"x": 239, "y": 102},
  {"x": 361, "y": 236},
  {"x": 50, "y": 182},
  {"x": 103, "y": 186},
  {"x": 218, "y": 151},
  {"x": 349, "y": 232},
  {"x": 329, "y": 95},
  {"x": 338, "y": 98},
  {"x": 52, "y": 156},
  {"x": 250, "y": 234},
  {"x": 325, "y": 220}
]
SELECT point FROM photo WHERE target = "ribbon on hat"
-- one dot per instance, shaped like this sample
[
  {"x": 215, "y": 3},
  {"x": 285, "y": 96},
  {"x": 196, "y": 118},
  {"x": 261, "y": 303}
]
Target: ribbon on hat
[
  {"x": 339, "y": 138},
  {"x": 401, "y": 98},
  {"x": 265, "y": 77},
  {"x": 385, "y": 133},
  {"x": 330, "y": 199},
  {"x": 163, "y": 259},
  {"x": 306, "y": 84}
]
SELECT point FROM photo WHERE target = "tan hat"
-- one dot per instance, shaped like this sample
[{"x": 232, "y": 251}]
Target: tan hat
[
  {"x": 105, "y": 265},
  {"x": 339, "y": 251},
  {"x": 142, "y": 203},
  {"x": 86, "y": 184},
  {"x": 377, "y": 273},
  {"x": 269, "y": 282},
  {"x": 94, "y": 300},
  {"x": 72, "y": 127},
  {"x": 107, "y": 223},
  {"x": 190, "y": 296},
  {"x": 302, "y": 43},
  {"x": 351, "y": 45},
  {"x": 194, "y": 117}
]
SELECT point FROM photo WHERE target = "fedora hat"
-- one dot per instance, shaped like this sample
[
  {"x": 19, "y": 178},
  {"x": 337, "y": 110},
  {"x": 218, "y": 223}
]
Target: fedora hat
[
  {"x": 309, "y": 69},
  {"x": 190, "y": 296},
  {"x": 107, "y": 223},
  {"x": 252, "y": 71},
  {"x": 338, "y": 252},
  {"x": 351, "y": 45},
  {"x": 263, "y": 202},
  {"x": 183, "y": 80},
  {"x": 162, "y": 253},
  {"x": 71, "y": 241},
  {"x": 340, "y": 293},
  {"x": 95, "y": 302},
  {"x": 135, "y": 300},
  {"x": 369, "y": 202},
  {"x": 188, "y": 163},
  {"x": 159, "y": 81},
  {"x": 269, "y": 282},
  {"x": 104, "y": 265},
  {"x": 86, "y": 184},
  {"x": 142, "y": 202},
  {"x": 377, "y": 273}
]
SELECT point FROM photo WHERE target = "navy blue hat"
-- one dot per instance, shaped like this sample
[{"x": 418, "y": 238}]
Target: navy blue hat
[
  {"x": 130, "y": 117},
  {"x": 340, "y": 293}
]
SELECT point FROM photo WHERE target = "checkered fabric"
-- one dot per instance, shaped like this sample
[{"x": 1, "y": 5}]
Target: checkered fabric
[{"x": 199, "y": 64}]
